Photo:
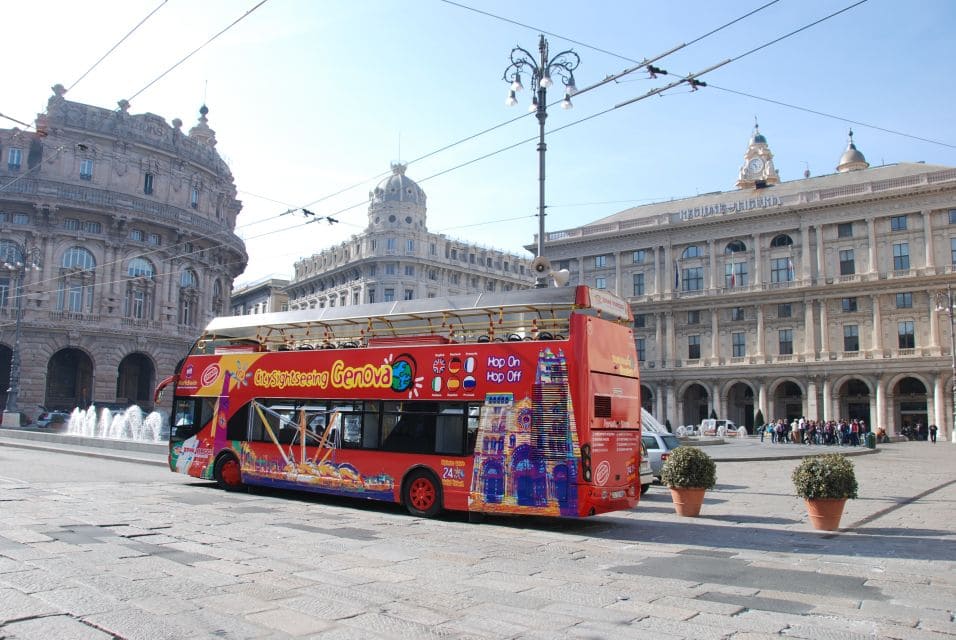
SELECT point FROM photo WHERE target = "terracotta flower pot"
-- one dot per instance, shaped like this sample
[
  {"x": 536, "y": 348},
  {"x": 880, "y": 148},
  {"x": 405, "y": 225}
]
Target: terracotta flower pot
[
  {"x": 825, "y": 513},
  {"x": 687, "y": 500}
]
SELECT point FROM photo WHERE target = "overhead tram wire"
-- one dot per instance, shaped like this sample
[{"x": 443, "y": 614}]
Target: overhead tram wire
[
  {"x": 834, "y": 117},
  {"x": 598, "y": 49},
  {"x": 113, "y": 48},
  {"x": 690, "y": 78},
  {"x": 198, "y": 49},
  {"x": 610, "y": 78}
]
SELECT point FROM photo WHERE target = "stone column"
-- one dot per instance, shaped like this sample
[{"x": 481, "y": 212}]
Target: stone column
[
  {"x": 928, "y": 236},
  {"x": 659, "y": 338},
  {"x": 757, "y": 261},
  {"x": 881, "y": 419},
  {"x": 933, "y": 323},
  {"x": 877, "y": 326},
  {"x": 805, "y": 253},
  {"x": 821, "y": 257},
  {"x": 762, "y": 401},
  {"x": 715, "y": 337},
  {"x": 618, "y": 258},
  {"x": 809, "y": 338},
  {"x": 672, "y": 406},
  {"x": 712, "y": 248},
  {"x": 659, "y": 271},
  {"x": 670, "y": 341},
  {"x": 812, "y": 409},
  {"x": 871, "y": 237},
  {"x": 824, "y": 330},
  {"x": 668, "y": 270},
  {"x": 760, "y": 331},
  {"x": 827, "y": 400},
  {"x": 659, "y": 403}
]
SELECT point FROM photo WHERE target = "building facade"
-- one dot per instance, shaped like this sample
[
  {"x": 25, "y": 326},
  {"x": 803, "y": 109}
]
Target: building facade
[
  {"x": 397, "y": 258},
  {"x": 816, "y": 297},
  {"x": 262, "y": 296},
  {"x": 117, "y": 247}
]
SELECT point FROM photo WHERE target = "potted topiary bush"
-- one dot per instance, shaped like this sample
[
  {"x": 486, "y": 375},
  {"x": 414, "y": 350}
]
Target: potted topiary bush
[
  {"x": 688, "y": 472},
  {"x": 825, "y": 483}
]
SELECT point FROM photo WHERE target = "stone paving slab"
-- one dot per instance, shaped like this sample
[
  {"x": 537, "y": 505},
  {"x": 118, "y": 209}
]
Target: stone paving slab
[{"x": 165, "y": 556}]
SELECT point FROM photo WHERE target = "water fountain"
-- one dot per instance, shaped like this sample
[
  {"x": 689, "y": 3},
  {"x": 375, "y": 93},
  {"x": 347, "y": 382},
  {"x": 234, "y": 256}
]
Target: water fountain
[{"x": 129, "y": 424}]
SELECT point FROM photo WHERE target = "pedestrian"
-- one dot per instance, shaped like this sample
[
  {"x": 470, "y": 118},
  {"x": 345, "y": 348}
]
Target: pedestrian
[
  {"x": 932, "y": 433},
  {"x": 763, "y": 431}
]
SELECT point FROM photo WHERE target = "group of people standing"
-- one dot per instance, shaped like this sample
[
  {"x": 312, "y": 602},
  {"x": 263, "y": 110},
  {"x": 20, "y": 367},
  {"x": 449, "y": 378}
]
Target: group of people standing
[
  {"x": 834, "y": 432},
  {"x": 920, "y": 432},
  {"x": 803, "y": 431}
]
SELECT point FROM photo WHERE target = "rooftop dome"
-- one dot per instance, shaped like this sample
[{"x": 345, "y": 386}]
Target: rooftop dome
[
  {"x": 398, "y": 188},
  {"x": 757, "y": 137},
  {"x": 852, "y": 159}
]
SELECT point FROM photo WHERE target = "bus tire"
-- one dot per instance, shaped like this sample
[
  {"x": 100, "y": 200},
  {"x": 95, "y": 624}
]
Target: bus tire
[
  {"x": 422, "y": 494},
  {"x": 226, "y": 472}
]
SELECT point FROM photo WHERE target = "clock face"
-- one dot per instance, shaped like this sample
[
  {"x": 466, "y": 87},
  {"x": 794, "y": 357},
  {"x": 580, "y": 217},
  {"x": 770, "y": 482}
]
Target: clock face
[{"x": 755, "y": 165}]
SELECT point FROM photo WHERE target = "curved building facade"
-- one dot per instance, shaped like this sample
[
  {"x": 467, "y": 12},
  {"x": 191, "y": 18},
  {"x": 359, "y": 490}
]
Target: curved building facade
[
  {"x": 117, "y": 246},
  {"x": 826, "y": 297},
  {"x": 397, "y": 258}
]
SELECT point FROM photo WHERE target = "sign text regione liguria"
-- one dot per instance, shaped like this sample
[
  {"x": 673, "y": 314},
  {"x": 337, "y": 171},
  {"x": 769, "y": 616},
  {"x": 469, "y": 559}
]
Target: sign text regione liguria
[{"x": 729, "y": 207}]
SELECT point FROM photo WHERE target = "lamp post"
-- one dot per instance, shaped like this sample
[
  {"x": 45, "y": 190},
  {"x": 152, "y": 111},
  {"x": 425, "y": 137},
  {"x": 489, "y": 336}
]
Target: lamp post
[
  {"x": 944, "y": 304},
  {"x": 17, "y": 262},
  {"x": 541, "y": 70}
]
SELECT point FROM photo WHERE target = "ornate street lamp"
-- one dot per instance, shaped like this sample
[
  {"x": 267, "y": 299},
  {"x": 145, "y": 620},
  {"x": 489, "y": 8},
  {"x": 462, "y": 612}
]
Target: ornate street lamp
[
  {"x": 541, "y": 71},
  {"x": 944, "y": 304},
  {"x": 17, "y": 262}
]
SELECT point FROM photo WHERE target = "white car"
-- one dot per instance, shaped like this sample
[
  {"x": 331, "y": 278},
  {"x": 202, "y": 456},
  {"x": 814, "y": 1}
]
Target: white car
[
  {"x": 647, "y": 476},
  {"x": 714, "y": 427}
]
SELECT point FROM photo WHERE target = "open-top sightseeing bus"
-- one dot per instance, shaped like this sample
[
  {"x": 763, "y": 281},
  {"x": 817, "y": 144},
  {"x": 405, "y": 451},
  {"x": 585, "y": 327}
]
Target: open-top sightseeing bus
[{"x": 525, "y": 402}]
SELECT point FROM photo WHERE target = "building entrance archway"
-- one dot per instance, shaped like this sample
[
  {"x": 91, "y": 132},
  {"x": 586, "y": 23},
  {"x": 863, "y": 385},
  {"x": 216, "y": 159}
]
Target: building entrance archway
[
  {"x": 788, "y": 401},
  {"x": 69, "y": 380},
  {"x": 135, "y": 381},
  {"x": 695, "y": 404},
  {"x": 855, "y": 401},
  {"x": 740, "y": 405},
  {"x": 909, "y": 408}
]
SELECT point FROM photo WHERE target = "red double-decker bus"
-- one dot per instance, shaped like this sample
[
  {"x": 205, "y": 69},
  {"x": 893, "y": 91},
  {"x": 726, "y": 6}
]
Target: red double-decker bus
[{"x": 525, "y": 402}]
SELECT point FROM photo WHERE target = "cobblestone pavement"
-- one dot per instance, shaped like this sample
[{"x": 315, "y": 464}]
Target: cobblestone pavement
[{"x": 98, "y": 548}]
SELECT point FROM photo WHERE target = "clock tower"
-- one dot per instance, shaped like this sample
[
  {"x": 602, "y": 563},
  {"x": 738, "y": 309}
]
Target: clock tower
[{"x": 757, "y": 171}]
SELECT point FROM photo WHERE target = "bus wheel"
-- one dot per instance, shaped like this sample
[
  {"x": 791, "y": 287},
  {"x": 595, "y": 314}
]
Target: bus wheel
[
  {"x": 422, "y": 494},
  {"x": 227, "y": 473}
]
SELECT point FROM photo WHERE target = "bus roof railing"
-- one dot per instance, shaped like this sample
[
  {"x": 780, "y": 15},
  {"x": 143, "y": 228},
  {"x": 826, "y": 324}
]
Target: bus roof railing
[{"x": 524, "y": 314}]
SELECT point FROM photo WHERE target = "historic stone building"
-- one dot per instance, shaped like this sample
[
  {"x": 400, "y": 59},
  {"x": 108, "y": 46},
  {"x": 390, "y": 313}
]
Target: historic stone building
[
  {"x": 396, "y": 258},
  {"x": 266, "y": 295},
  {"x": 815, "y": 297},
  {"x": 117, "y": 247}
]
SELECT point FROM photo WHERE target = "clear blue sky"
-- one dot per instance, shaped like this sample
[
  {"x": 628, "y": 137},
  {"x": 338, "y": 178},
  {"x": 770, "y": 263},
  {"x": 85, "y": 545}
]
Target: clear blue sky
[{"x": 311, "y": 97}]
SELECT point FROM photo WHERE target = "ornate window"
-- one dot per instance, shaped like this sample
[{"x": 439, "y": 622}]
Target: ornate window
[
  {"x": 188, "y": 297},
  {"x": 735, "y": 247},
  {"x": 77, "y": 280},
  {"x": 691, "y": 252},
  {"x": 783, "y": 240}
]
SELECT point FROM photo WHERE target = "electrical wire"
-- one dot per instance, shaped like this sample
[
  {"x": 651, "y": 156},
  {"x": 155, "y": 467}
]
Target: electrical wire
[
  {"x": 113, "y": 48},
  {"x": 833, "y": 117},
  {"x": 197, "y": 50}
]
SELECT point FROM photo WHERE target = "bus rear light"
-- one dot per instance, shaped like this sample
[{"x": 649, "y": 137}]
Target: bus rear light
[{"x": 586, "y": 462}]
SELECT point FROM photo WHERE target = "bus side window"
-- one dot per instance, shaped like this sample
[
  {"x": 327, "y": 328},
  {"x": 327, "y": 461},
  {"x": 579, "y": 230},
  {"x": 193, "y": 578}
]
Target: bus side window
[
  {"x": 238, "y": 425},
  {"x": 450, "y": 434},
  {"x": 370, "y": 426}
]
